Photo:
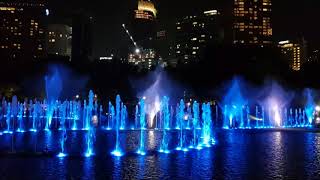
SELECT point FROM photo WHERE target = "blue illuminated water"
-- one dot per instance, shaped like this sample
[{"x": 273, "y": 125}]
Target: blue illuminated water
[{"x": 238, "y": 154}]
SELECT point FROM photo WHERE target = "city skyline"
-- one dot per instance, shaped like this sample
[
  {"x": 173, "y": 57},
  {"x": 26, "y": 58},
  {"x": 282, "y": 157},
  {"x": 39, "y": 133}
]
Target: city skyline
[{"x": 290, "y": 22}]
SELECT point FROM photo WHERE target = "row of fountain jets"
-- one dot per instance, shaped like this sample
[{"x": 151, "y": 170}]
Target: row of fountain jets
[
  {"x": 188, "y": 118},
  {"x": 72, "y": 115}
]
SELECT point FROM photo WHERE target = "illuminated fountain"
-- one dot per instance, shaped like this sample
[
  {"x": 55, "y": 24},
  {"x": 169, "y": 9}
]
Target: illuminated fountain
[
  {"x": 63, "y": 139},
  {"x": 117, "y": 150},
  {"x": 310, "y": 106},
  {"x": 8, "y": 118},
  {"x": 207, "y": 138},
  {"x": 111, "y": 116},
  {"x": 195, "y": 124},
  {"x": 166, "y": 120},
  {"x": 20, "y": 118},
  {"x": 234, "y": 104},
  {"x": 53, "y": 84},
  {"x": 181, "y": 117},
  {"x": 142, "y": 150},
  {"x": 123, "y": 117}
]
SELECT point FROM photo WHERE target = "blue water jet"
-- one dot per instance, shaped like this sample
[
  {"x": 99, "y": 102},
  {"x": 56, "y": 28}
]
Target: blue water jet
[
  {"x": 166, "y": 127},
  {"x": 142, "y": 150},
  {"x": 117, "y": 150}
]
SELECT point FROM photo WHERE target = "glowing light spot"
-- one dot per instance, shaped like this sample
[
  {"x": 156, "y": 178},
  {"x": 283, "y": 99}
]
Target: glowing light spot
[
  {"x": 277, "y": 117},
  {"x": 61, "y": 155},
  {"x": 141, "y": 152},
  {"x": 116, "y": 153}
]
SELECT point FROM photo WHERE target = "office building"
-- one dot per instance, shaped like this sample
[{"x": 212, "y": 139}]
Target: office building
[
  {"x": 142, "y": 34},
  {"x": 22, "y": 30},
  {"x": 59, "y": 40},
  {"x": 251, "y": 23},
  {"x": 82, "y": 29},
  {"x": 194, "y": 33},
  {"x": 295, "y": 53}
]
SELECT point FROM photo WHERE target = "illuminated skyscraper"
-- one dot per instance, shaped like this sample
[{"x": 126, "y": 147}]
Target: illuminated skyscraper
[
  {"x": 143, "y": 33},
  {"x": 22, "y": 30},
  {"x": 295, "y": 52},
  {"x": 59, "y": 39},
  {"x": 194, "y": 33},
  {"x": 144, "y": 24},
  {"x": 252, "y": 22}
]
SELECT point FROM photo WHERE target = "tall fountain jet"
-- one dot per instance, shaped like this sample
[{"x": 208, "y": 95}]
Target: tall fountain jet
[
  {"x": 234, "y": 104},
  {"x": 166, "y": 127},
  {"x": 195, "y": 123},
  {"x": 90, "y": 136},
  {"x": 207, "y": 125},
  {"x": 142, "y": 150},
  {"x": 181, "y": 117},
  {"x": 117, "y": 150},
  {"x": 53, "y": 90},
  {"x": 310, "y": 106},
  {"x": 111, "y": 116}
]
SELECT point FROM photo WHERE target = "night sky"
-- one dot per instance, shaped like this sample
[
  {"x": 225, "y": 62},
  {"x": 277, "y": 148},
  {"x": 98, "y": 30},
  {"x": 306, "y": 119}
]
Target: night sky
[{"x": 291, "y": 18}]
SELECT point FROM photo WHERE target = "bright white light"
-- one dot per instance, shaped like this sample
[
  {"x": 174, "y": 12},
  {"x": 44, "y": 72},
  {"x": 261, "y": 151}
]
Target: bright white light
[
  {"x": 137, "y": 50},
  {"x": 186, "y": 117},
  {"x": 77, "y": 96},
  {"x": 277, "y": 118},
  {"x": 317, "y": 108},
  {"x": 157, "y": 105},
  {"x": 284, "y": 42},
  {"x": 47, "y": 12},
  {"x": 95, "y": 120},
  {"x": 144, "y": 98}
]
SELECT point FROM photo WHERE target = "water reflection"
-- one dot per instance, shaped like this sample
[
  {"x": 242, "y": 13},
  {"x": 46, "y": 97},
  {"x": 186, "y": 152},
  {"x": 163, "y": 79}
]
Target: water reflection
[
  {"x": 117, "y": 166},
  {"x": 276, "y": 156},
  {"x": 238, "y": 155},
  {"x": 88, "y": 168}
]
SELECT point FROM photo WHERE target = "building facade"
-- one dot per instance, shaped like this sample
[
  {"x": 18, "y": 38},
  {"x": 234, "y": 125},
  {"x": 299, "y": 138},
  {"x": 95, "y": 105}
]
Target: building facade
[
  {"x": 22, "y": 30},
  {"x": 144, "y": 24},
  {"x": 251, "y": 23},
  {"x": 59, "y": 39},
  {"x": 142, "y": 34},
  {"x": 82, "y": 37},
  {"x": 194, "y": 33},
  {"x": 294, "y": 52}
]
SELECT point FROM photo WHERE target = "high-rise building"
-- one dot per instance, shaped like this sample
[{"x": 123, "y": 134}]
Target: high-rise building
[
  {"x": 142, "y": 34},
  {"x": 22, "y": 30},
  {"x": 144, "y": 24},
  {"x": 194, "y": 33},
  {"x": 295, "y": 52},
  {"x": 59, "y": 39},
  {"x": 251, "y": 23},
  {"x": 82, "y": 27}
]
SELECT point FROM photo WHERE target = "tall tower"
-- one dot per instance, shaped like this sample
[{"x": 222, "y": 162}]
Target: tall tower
[
  {"x": 144, "y": 24},
  {"x": 144, "y": 32},
  {"x": 252, "y": 22}
]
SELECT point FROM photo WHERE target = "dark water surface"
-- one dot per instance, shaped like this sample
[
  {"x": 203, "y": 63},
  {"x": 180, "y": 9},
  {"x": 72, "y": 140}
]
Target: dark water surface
[{"x": 236, "y": 155}]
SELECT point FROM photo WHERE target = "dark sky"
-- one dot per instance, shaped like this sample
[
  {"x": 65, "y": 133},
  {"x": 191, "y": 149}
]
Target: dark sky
[{"x": 290, "y": 18}]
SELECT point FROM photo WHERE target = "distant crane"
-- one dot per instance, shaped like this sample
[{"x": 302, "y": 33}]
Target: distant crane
[{"x": 137, "y": 49}]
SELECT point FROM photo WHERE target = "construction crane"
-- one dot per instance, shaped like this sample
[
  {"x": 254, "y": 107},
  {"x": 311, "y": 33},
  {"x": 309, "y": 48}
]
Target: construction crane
[{"x": 137, "y": 49}]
